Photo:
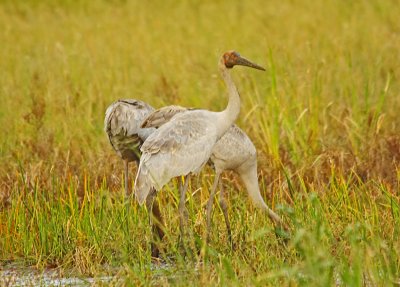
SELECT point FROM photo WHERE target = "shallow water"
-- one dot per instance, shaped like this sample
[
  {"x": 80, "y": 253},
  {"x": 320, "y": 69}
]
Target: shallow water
[
  {"x": 15, "y": 274},
  {"x": 12, "y": 275}
]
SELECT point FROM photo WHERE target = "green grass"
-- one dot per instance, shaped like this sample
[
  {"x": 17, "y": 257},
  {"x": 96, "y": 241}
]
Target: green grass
[{"x": 324, "y": 119}]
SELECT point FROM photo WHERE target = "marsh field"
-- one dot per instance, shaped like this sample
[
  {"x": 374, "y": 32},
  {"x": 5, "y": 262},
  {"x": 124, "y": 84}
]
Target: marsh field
[{"x": 324, "y": 118}]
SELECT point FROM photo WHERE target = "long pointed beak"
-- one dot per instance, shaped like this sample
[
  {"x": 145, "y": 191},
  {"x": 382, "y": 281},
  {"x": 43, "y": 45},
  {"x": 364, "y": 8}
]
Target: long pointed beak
[{"x": 244, "y": 62}]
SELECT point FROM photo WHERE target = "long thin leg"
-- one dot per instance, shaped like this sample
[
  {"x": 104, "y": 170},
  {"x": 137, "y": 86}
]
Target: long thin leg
[
  {"x": 126, "y": 178},
  {"x": 210, "y": 204},
  {"x": 182, "y": 209},
  {"x": 224, "y": 207},
  {"x": 156, "y": 223},
  {"x": 159, "y": 222}
]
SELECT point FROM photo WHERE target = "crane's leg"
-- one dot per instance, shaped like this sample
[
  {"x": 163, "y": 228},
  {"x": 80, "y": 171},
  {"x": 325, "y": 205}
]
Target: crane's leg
[
  {"x": 156, "y": 223},
  {"x": 224, "y": 207},
  {"x": 126, "y": 163},
  {"x": 183, "y": 216},
  {"x": 210, "y": 204}
]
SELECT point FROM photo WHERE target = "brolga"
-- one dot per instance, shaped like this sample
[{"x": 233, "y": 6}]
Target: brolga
[
  {"x": 122, "y": 124},
  {"x": 233, "y": 151},
  {"x": 184, "y": 144},
  {"x": 123, "y": 127}
]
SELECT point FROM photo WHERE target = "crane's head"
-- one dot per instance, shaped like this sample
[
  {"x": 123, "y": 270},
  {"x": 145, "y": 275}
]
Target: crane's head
[{"x": 233, "y": 58}]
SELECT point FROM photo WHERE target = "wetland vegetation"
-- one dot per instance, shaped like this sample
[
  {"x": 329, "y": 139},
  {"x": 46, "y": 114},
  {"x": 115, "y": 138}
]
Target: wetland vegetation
[{"x": 324, "y": 119}]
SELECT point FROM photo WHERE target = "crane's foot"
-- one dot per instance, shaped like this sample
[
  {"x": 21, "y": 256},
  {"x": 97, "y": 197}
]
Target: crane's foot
[
  {"x": 157, "y": 247},
  {"x": 156, "y": 257},
  {"x": 155, "y": 251}
]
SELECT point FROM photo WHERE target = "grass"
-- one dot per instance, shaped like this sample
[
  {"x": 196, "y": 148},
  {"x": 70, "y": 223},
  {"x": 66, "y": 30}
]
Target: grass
[{"x": 324, "y": 119}]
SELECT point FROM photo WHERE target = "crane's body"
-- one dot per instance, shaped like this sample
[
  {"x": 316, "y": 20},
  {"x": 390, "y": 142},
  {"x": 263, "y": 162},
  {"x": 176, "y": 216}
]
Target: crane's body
[
  {"x": 184, "y": 144},
  {"x": 122, "y": 124},
  {"x": 165, "y": 153},
  {"x": 123, "y": 127},
  {"x": 233, "y": 151}
]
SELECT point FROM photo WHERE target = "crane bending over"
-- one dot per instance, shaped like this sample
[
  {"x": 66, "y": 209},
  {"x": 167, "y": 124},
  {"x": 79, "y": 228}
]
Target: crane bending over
[
  {"x": 184, "y": 144},
  {"x": 233, "y": 151},
  {"x": 122, "y": 124}
]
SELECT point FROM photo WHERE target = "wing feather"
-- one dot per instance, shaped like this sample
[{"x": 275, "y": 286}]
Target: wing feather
[
  {"x": 161, "y": 116},
  {"x": 179, "y": 147},
  {"x": 122, "y": 125}
]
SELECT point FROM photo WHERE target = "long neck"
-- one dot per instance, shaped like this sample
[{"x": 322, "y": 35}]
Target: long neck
[
  {"x": 228, "y": 116},
  {"x": 249, "y": 177}
]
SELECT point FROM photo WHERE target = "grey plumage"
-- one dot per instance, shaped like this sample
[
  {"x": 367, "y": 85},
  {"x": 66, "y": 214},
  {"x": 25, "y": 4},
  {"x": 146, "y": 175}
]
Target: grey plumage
[
  {"x": 233, "y": 151},
  {"x": 184, "y": 144},
  {"x": 122, "y": 124},
  {"x": 157, "y": 118},
  {"x": 165, "y": 152}
]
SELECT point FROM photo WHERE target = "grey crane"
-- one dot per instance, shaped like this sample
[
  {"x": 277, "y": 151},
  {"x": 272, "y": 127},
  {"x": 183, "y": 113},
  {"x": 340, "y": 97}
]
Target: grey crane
[
  {"x": 184, "y": 144},
  {"x": 122, "y": 124},
  {"x": 233, "y": 151}
]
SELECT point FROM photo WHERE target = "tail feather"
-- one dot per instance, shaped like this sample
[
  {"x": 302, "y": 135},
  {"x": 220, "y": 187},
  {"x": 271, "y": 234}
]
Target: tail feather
[{"x": 143, "y": 184}]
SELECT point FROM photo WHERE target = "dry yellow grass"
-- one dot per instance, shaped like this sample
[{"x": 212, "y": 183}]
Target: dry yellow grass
[{"x": 324, "y": 119}]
